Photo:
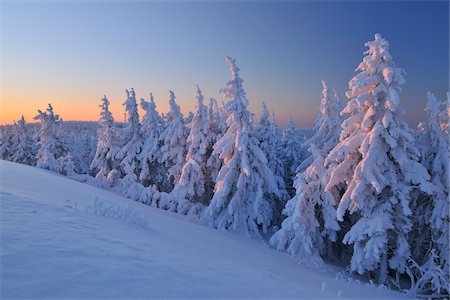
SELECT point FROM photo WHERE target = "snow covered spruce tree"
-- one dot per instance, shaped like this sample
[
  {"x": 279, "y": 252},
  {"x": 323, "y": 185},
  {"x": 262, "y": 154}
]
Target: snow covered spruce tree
[
  {"x": 128, "y": 155},
  {"x": 216, "y": 119},
  {"x": 81, "y": 146},
  {"x": 218, "y": 127},
  {"x": 277, "y": 135},
  {"x": 277, "y": 131},
  {"x": 152, "y": 172},
  {"x": 327, "y": 126},
  {"x": 22, "y": 149},
  {"x": 67, "y": 165},
  {"x": 311, "y": 223},
  {"x": 268, "y": 142},
  {"x": 52, "y": 148},
  {"x": 444, "y": 116},
  {"x": 194, "y": 185},
  {"x": 431, "y": 213},
  {"x": 174, "y": 146},
  {"x": 6, "y": 136},
  {"x": 104, "y": 163},
  {"x": 245, "y": 195},
  {"x": 377, "y": 159},
  {"x": 290, "y": 154}
]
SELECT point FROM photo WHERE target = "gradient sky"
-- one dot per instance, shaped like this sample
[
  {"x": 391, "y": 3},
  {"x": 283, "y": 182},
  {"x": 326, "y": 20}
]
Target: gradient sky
[{"x": 72, "y": 53}]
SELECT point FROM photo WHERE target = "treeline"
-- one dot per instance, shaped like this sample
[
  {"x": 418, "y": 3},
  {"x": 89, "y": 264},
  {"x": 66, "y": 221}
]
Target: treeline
[
  {"x": 19, "y": 142},
  {"x": 364, "y": 190}
]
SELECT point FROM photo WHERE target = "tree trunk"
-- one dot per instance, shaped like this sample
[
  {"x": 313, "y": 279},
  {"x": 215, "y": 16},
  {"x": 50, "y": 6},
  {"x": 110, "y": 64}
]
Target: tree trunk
[{"x": 383, "y": 272}]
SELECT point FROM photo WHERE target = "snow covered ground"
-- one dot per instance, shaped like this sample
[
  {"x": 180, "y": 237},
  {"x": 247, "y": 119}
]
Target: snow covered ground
[{"x": 64, "y": 239}]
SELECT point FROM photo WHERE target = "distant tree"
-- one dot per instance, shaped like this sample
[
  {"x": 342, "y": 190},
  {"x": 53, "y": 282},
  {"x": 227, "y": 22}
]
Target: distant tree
[
  {"x": 290, "y": 154},
  {"x": 104, "y": 163},
  {"x": 189, "y": 118},
  {"x": 6, "y": 136},
  {"x": 152, "y": 172},
  {"x": 194, "y": 184},
  {"x": 311, "y": 213},
  {"x": 280, "y": 166},
  {"x": 444, "y": 116},
  {"x": 266, "y": 132},
  {"x": 245, "y": 192},
  {"x": 327, "y": 127},
  {"x": 174, "y": 146},
  {"x": 51, "y": 144},
  {"x": 128, "y": 155},
  {"x": 218, "y": 127},
  {"x": 22, "y": 149},
  {"x": 377, "y": 160},
  {"x": 430, "y": 235},
  {"x": 86, "y": 143},
  {"x": 67, "y": 165}
]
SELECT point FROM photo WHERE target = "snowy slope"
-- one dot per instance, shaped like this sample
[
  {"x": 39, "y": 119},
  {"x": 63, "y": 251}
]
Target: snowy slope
[{"x": 64, "y": 239}]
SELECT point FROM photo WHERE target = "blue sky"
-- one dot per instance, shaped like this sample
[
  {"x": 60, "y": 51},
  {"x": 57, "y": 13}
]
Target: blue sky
[{"x": 72, "y": 53}]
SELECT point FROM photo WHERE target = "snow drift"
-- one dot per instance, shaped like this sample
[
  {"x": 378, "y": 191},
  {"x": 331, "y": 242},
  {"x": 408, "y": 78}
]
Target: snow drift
[{"x": 64, "y": 239}]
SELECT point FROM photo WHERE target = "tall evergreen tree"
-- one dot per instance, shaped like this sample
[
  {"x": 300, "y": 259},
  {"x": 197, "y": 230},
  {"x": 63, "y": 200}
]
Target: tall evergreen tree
[
  {"x": 377, "y": 159},
  {"x": 104, "y": 163},
  {"x": 245, "y": 191}
]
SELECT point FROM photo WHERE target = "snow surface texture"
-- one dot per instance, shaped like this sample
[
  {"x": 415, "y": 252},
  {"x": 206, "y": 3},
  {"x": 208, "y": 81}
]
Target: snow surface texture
[{"x": 64, "y": 239}]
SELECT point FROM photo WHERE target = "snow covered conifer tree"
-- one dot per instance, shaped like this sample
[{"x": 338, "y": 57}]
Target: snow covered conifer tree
[
  {"x": 212, "y": 113},
  {"x": 104, "y": 162},
  {"x": 327, "y": 127},
  {"x": 444, "y": 116},
  {"x": 174, "y": 138},
  {"x": 6, "y": 136},
  {"x": 194, "y": 184},
  {"x": 67, "y": 165},
  {"x": 51, "y": 145},
  {"x": 189, "y": 118},
  {"x": 290, "y": 154},
  {"x": 311, "y": 216},
  {"x": 216, "y": 119},
  {"x": 377, "y": 159},
  {"x": 311, "y": 213},
  {"x": 245, "y": 193},
  {"x": 128, "y": 155},
  {"x": 218, "y": 125},
  {"x": 276, "y": 129},
  {"x": 23, "y": 148},
  {"x": 432, "y": 215},
  {"x": 83, "y": 148},
  {"x": 268, "y": 142},
  {"x": 152, "y": 172}
]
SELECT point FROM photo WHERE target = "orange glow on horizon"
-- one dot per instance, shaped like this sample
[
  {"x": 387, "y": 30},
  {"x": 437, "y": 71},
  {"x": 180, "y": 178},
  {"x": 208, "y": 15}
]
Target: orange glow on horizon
[
  {"x": 69, "y": 108},
  {"x": 84, "y": 107}
]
